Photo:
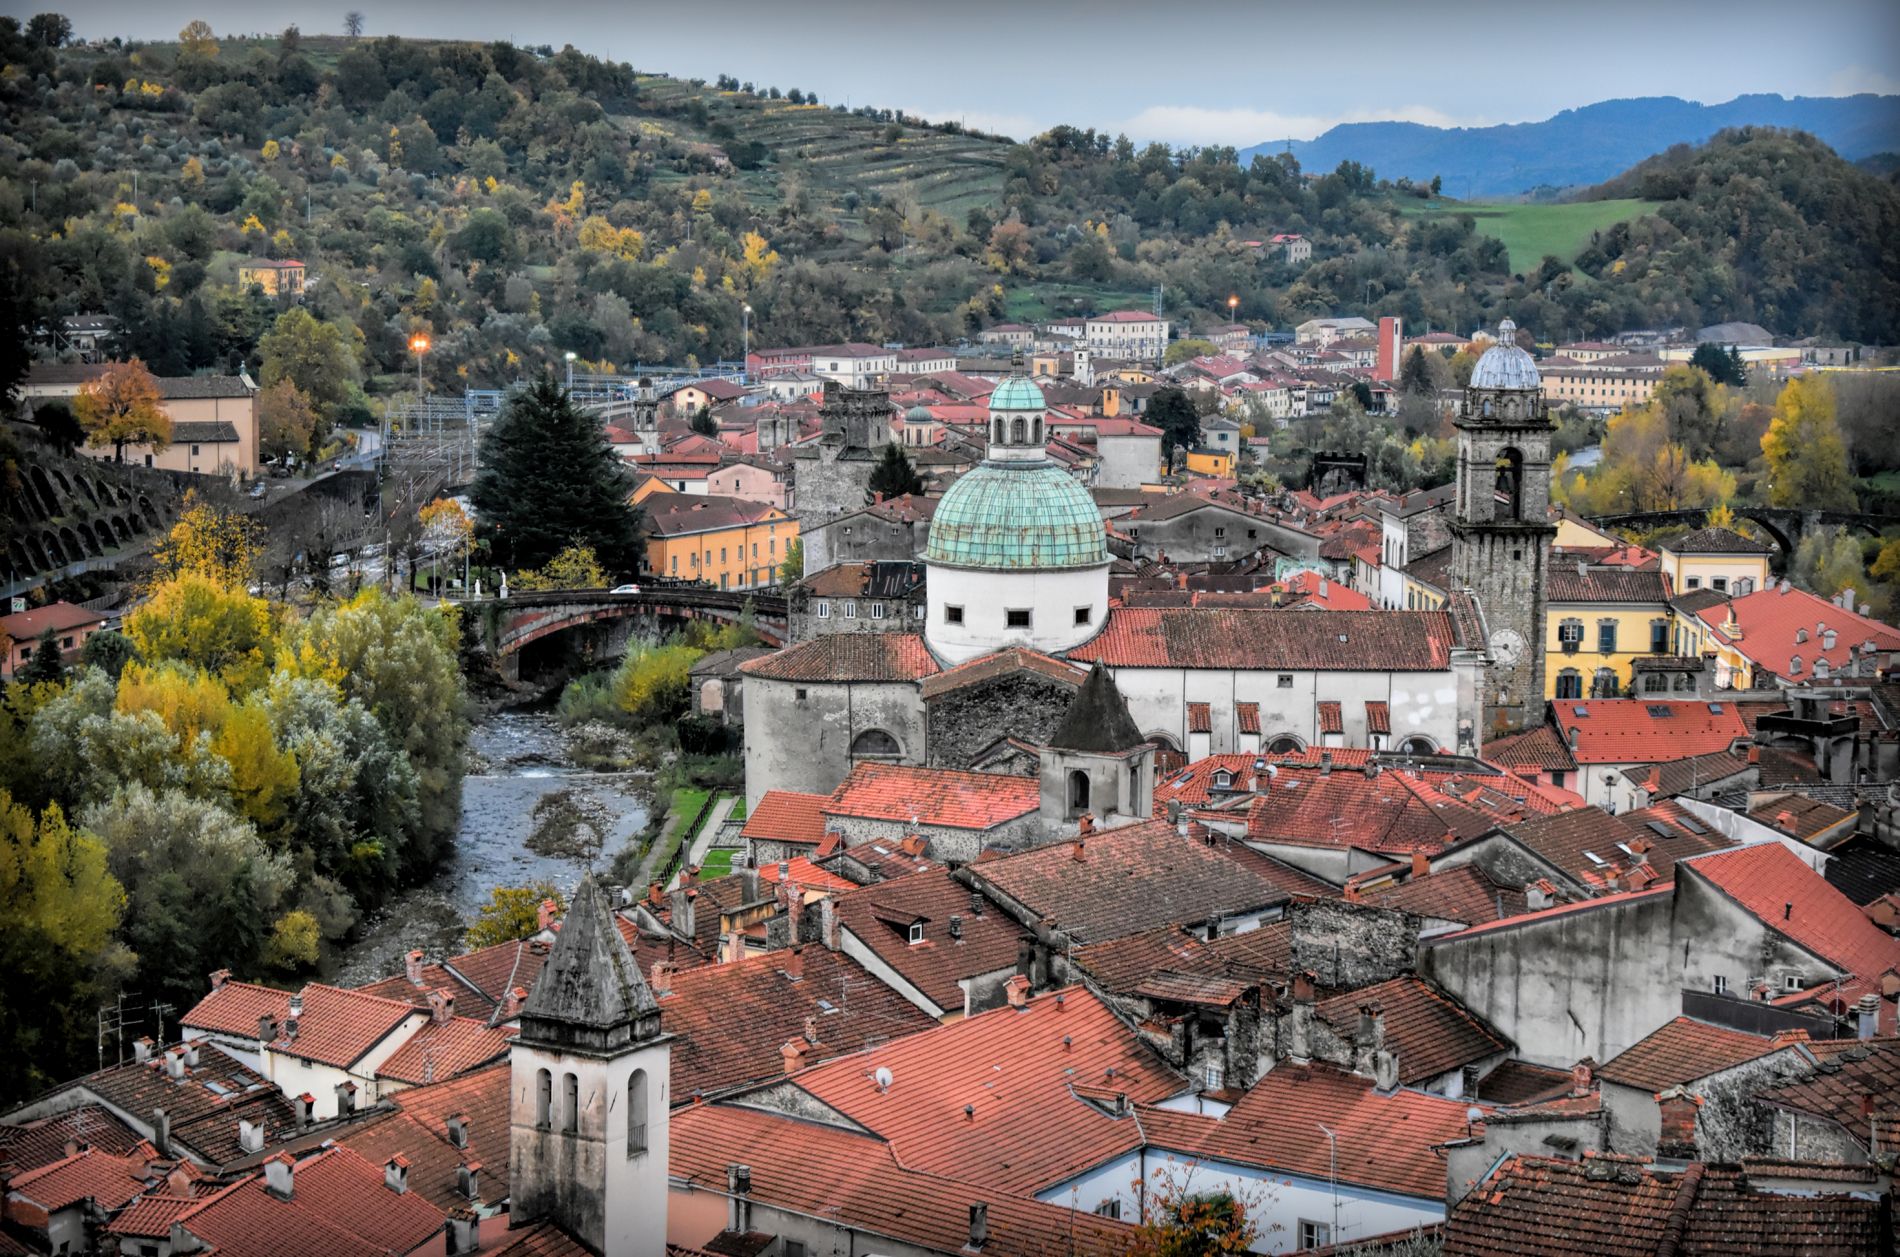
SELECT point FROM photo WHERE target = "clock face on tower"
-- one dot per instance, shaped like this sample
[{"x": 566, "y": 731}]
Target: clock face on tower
[{"x": 1507, "y": 646}]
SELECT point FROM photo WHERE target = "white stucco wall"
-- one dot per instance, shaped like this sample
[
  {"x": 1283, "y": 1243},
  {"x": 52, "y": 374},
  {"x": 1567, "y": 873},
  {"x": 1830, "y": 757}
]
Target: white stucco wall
[
  {"x": 1419, "y": 702},
  {"x": 986, "y": 598}
]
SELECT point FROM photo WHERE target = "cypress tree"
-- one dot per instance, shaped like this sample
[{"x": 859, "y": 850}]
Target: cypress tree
[{"x": 894, "y": 476}]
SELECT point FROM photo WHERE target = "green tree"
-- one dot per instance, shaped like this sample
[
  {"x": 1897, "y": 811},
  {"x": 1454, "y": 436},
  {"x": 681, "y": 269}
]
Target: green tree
[
  {"x": 44, "y": 664},
  {"x": 1173, "y": 412},
  {"x": 49, "y": 30},
  {"x": 512, "y": 912},
  {"x": 575, "y": 567},
  {"x": 287, "y": 422},
  {"x": 58, "y": 425},
  {"x": 109, "y": 651},
  {"x": 702, "y": 422},
  {"x": 549, "y": 480},
  {"x": 792, "y": 570},
  {"x": 313, "y": 356},
  {"x": 1188, "y": 347},
  {"x": 1415, "y": 375},
  {"x": 1724, "y": 367},
  {"x": 1806, "y": 456},
  {"x": 1828, "y": 561},
  {"x": 894, "y": 476}
]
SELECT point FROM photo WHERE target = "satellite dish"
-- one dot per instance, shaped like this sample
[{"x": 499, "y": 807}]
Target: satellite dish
[
  {"x": 1473, "y": 1115},
  {"x": 883, "y": 1077}
]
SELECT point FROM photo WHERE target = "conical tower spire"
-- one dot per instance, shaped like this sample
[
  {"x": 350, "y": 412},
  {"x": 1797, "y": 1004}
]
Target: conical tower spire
[
  {"x": 1097, "y": 721},
  {"x": 590, "y": 995}
]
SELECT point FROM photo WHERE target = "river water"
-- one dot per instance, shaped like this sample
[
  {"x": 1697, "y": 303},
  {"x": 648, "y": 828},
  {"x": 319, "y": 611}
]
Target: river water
[{"x": 518, "y": 758}]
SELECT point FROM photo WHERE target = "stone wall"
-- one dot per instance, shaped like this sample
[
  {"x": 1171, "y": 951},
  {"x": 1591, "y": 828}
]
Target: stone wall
[
  {"x": 965, "y": 721},
  {"x": 1195, "y": 537},
  {"x": 799, "y": 733},
  {"x": 1349, "y": 945}
]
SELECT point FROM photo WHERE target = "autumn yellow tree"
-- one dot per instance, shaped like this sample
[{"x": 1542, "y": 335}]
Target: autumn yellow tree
[
  {"x": 512, "y": 912},
  {"x": 597, "y": 235},
  {"x": 563, "y": 214},
  {"x": 219, "y": 545},
  {"x": 1806, "y": 455},
  {"x": 575, "y": 567},
  {"x": 198, "y": 39},
  {"x": 286, "y": 420},
  {"x": 758, "y": 258},
  {"x": 446, "y": 528},
  {"x": 120, "y": 407},
  {"x": 220, "y": 628},
  {"x": 190, "y": 701},
  {"x": 264, "y": 776}
]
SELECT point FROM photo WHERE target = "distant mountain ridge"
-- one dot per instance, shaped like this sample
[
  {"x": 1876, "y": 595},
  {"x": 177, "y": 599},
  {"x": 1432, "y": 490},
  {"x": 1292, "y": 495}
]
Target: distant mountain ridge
[{"x": 1587, "y": 145}]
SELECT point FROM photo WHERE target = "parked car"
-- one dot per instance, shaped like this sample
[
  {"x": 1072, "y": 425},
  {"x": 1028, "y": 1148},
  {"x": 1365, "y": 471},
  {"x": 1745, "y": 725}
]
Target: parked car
[{"x": 626, "y": 589}]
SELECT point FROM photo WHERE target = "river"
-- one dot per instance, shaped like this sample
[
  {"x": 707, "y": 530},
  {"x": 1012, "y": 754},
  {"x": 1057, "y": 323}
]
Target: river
[{"x": 521, "y": 757}]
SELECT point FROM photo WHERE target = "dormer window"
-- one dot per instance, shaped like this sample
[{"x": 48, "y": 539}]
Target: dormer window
[
  {"x": 916, "y": 931},
  {"x": 1794, "y": 666},
  {"x": 1223, "y": 779}
]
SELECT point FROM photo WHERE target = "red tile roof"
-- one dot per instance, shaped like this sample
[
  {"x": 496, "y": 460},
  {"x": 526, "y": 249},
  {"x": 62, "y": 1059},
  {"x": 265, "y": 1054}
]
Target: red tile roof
[
  {"x": 1331, "y": 718},
  {"x": 802, "y": 873},
  {"x": 89, "y": 1174},
  {"x": 1028, "y": 1130},
  {"x": 1463, "y": 894},
  {"x": 339, "y": 1027},
  {"x": 1200, "y": 637},
  {"x": 1141, "y": 876},
  {"x": 205, "y": 1104},
  {"x": 1848, "y": 1083},
  {"x": 881, "y": 915},
  {"x": 1001, "y": 663},
  {"x": 1542, "y": 915},
  {"x": 848, "y": 657},
  {"x": 1378, "y": 717},
  {"x": 1124, "y": 964},
  {"x": 787, "y": 816},
  {"x": 24, "y": 626},
  {"x": 441, "y": 1050},
  {"x": 1612, "y": 1206},
  {"x": 1799, "y": 816},
  {"x": 1384, "y": 1141},
  {"x": 1682, "y": 1051},
  {"x": 1247, "y": 717},
  {"x": 29, "y": 1145},
  {"x": 1200, "y": 718},
  {"x": 734, "y": 1019},
  {"x": 1394, "y": 810},
  {"x": 151, "y": 1217},
  {"x": 945, "y": 797},
  {"x": 1769, "y": 620},
  {"x": 419, "y": 1131},
  {"x": 1570, "y": 840},
  {"x": 1576, "y": 582},
  {"x": 233, "y": 1009},
  {"x": 338, "y": 1206},
  {"x": 1430, "y": 1032},
  {"x": 1779, "y": 888},
  {"x": 1541, "y": 749},
  {"x": 865, "y": 1187},
  {"x": 1635, "y": 731}
]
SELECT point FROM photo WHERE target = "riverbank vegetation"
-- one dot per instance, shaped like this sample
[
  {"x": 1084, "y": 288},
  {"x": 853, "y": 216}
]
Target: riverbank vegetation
[{"x": 228, "y": 785}]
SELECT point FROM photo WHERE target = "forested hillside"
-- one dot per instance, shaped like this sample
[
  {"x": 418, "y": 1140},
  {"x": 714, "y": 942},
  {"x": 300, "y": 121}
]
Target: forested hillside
[{"x": 519, "y": 204}]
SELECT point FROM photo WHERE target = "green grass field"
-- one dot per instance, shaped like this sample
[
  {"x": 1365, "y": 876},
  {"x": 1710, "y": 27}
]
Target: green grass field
[
  {"x": 718, "y": 863},
  {"x": 1531, "y": 232}
]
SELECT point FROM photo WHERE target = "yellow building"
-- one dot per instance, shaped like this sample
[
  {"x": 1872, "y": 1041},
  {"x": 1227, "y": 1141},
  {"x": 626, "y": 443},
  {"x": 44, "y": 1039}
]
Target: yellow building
[
  {"x": 1217, "y": 463},
  {"x": 730, "y": 543},
  {"x": 1597, "y": 622},
  {"x": 1718, "y": 559},
  {"x": 276, "y": 278}
]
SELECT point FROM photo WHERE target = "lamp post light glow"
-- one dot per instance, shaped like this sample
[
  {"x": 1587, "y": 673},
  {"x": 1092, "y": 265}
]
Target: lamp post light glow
[
  {"x": 570, "y": 355},
  {"x": 419, "y": 345},
  {"x": 745, "y": 351}
]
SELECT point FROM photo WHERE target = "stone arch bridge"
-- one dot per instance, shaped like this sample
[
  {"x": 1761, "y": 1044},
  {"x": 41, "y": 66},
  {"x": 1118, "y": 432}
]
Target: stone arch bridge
[
  {"x": 1786, "y": 525},
  {"x": 556, "y": 627}
]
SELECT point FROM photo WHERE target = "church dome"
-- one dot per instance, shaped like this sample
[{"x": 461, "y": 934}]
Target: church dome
[
  {"x": 1504, "y": 365},
  {"x": 1031, "y": 516},
  {"x": 918, "y": 414},
  {"x": 1017, "y": 392}
]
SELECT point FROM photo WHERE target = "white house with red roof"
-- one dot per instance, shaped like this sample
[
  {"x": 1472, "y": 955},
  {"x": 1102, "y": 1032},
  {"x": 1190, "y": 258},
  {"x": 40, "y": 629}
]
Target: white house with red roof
[{"x": 1136, "y": 334}]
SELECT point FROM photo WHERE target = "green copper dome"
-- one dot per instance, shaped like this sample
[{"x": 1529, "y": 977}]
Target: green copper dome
[
  {"x": 1017, "y": 517},
  {"x": 1017, "y": 392}
]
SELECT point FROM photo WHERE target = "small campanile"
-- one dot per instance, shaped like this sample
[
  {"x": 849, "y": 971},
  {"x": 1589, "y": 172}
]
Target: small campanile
[
  {"x": 1500, "y": 525},
  {"x": 589, "y": 1090}
]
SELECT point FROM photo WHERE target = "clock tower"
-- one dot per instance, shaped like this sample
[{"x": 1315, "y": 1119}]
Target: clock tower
[{"x": 1500, "y": 526}]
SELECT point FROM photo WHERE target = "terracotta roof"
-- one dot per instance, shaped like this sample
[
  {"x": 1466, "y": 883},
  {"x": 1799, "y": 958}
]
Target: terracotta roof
[
  {"x": 29, "y": 1145},
  {"x": 1569, "y": 840},
  {"x": 1028, "y": 1129},
  {"x": 685, "y": 514},
  {"x": 441, "y": 1050},
  {"x": 1199, "y": 637},
  {"x": 339, "y": 1027},
  {"x": 1520, "y": 1082},
  {"x": 1611, "y": 1206},
  {"x": 1769, "y": 620},
  {"x": 1681, "y": 776},
  {"x": 1378, "y": 717},
  {"x": 1715, "y": 541},
  {"x": 151, "y": 1217},
  {"x": 1123, "y": 964},
  {"x": 804, "y": 874},
  {"x": 1800, "y": 817},
  {"x": 1637, "y": 731},
  {"x": 1463, "y": 894},
  {"x": 1779, "y": 888},
  {"x": 205, "y": 1104},
  {"x": 787, "y": 816},
  {"x": 1200, "y": 718},
  {"x": 1247, "y": 716},
  {"x": 881, "y": 915},
  {"x": 545, "y": 1239},
  {"x": 1429, "y": 1031},
  {"x": 1576, "y": 582},
  {"x": 26, "y": 626},
  {"x": 848, "y": 657},
  {"x": 419, "y": 1130},
  {"x": 233, "y": 1009},
  {"x": 1393, "y": 810},
  {"x": 1331, "y": 718},
  {"x": 1384, "y": 1141},
  {"x": 1140, "y": 876},
  {"x": 339, "y": 1206},
  {"x": 499, "y": 969},
  {"x": 945, "y": 797},
  {"x": 1002, "y": 663},
  {"x": 1843, "y": 1087},
  {"x": 89, "y": 1174},
  {"x": 865, "y": 1187},
  {"x": 1682, "y": 1051},
  {"x": 734, "y": 1019}
]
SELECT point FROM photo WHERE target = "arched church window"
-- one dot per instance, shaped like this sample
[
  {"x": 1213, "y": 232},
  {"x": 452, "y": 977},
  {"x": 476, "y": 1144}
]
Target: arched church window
[
  {"x": 1418, "y": 745},
  {"x": 543, "y": 1099},
  {"x": 1018, "y": 431},
  {"x": 1510, "y": 408},
  {"x": 637, "y": 1112},
  {"x": 999, "y": 432},
  {"x": 1510, "y": 483},
  {"x": 1285, "y": 744},
  {"x": 570, "y": 1103},
  {"x": 1078, "y": 791},
  {"x": 874, "y": 742},
  {"x": 1488, "y": 408},
  {"x": 1036, "y": 432}
]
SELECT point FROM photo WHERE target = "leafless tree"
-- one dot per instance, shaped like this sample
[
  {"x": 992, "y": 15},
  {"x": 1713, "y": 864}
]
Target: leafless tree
[{"x": 353, "y": 23}]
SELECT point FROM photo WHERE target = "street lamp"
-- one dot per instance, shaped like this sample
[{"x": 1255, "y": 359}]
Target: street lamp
[
  {"x": 1233, "y": 309},
  {"x": 419, "y": 345},
  {"x": 745, "y": 352},
  {"x": 570, "y": 355}
]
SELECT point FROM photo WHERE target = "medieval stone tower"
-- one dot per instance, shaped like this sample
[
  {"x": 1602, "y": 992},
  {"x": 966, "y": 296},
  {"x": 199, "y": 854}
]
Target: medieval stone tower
[
  {"x": 1500, "y": 527},
  {"x": 589, "y": 1087},
  {"x": 833, "y": 474}
]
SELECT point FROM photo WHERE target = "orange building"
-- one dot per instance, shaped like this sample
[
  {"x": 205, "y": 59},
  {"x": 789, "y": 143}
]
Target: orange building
[
  {"x": 275, "y": 278},
  {"x": 731, "y": 543}
]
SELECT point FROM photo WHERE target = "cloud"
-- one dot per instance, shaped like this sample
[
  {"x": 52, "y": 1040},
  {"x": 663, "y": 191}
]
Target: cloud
[
  {"x": 1856, "y": 79},
  {"x": 1195, "y": 124}
]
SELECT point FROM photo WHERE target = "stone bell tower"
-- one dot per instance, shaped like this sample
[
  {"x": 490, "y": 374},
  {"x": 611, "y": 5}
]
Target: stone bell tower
[
  {"x": 1500, "y": 525},
  {"x": 589, "y": 1088}
]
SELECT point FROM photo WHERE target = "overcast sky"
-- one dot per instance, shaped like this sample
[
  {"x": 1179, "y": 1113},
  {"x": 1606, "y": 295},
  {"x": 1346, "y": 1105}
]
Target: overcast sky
[{"x": 1216, "y": 71}]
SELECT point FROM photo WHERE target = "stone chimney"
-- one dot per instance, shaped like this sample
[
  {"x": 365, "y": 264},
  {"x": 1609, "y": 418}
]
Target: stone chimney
[
  {"x": 1017, "y": 988},
  {"x": 219, "y": 977},
  {"x": 681, "y": 904},
  {"x": 811, "y": 1029},
  {"x": 462, "y": 1232},
  {"x": 280, "y": 1176},
  {"x": 441, "y": 1006},
  {"x": 1385, "y": 1071},
  {"x": 412, "y": 967},
  {"x": 396, "y": 1174},
  {"x": 979, "y": 1226},
  {"x": 1368, "y": 1039},
  {"x": 1300, "y": 1021},
  {"x": 793, "y": 1052},
  {"x": 546, "y": 914},
  {"x": 1539, "y": 894},
  {"x": 733, "y": 949},
  {"x": 511, "y": 1002},
  {"x": 1583, "y": 1077},
  {"x": 1421, "y": 864},
  {"x": 162, "y": 1132},
  {"x": 266, "y": 1028},
  {"x": 794, "y": 963},
  {"x": 191, "y": 1054},
  {"x": 1677, "y": 1109},
  {"x": 660, "y": 977},
  {"x": 345, "y": 1098},
  {"x": 175, "y": 1063}
]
